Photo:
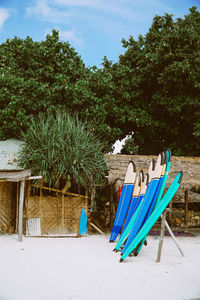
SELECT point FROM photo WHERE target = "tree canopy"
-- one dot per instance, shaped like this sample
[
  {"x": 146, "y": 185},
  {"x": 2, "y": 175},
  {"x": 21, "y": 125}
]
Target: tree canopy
[
  {"x": 35, "y": 76},
  {"x": 157, "y": 82},
  {"x": 153, "y": 91}
]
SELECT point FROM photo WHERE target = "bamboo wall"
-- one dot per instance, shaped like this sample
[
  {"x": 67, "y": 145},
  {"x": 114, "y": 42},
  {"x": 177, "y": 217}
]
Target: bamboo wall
[
  {"x": 8, "y": 207},
  {"x": 58, "y": 214}
]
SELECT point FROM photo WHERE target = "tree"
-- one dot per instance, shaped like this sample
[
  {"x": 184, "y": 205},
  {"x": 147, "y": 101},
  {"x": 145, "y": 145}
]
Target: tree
[
  {"x": 62, "y": 149},
  {"x": 153, "y": 90},
  {"x": 129, "y": 147},
  {"x": 35, "y": 76},
  {"x": 157, "y": 86}
]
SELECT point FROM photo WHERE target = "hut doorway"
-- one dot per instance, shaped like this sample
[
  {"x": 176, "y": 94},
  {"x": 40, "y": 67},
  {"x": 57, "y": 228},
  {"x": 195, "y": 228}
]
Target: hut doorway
[
  {"x": 8, "y": 206},
  {"x": 59, "y": 212}
]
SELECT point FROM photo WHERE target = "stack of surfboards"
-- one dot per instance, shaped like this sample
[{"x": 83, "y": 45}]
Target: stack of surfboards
[{"x": 141, "y": 204}]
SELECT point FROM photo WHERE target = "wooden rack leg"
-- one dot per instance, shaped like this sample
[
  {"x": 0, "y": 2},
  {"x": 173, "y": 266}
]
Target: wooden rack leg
[
  {"x": 21, "y": 203},
  {"x": 161, "y": 237},
  {"x": 173, "y": 237},
  {"x": 186, "y": 209}
]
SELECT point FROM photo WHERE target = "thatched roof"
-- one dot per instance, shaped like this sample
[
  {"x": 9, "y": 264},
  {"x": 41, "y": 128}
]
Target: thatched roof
[
  {"x": 15, "y": 176},
  {"x": 190, "y": 166},
  {"x": 9, "y": 155}
]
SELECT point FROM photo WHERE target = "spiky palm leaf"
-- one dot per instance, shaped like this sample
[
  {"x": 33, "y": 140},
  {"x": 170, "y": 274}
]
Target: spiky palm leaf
[{"x": 60, "y": 147}]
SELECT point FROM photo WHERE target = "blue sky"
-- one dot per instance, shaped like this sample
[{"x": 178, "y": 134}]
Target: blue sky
[{"x": 94, "y": 28}]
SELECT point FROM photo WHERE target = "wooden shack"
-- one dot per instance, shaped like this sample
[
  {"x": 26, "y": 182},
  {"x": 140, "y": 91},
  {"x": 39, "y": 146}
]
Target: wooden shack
[
  {"x": 58, "y": 212},
  {"x": 185, "y": 204},
  {"x": 9, "y": 189}
]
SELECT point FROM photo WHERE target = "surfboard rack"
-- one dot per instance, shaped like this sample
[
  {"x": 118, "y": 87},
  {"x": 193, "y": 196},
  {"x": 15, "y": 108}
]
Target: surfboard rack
[
  {"x": 97, "y": 229},
  {"x": 162, "y": 234}
]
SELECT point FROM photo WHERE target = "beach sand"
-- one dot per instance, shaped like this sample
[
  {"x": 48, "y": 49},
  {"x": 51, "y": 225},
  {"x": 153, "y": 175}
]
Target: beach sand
[{"x": 87, "y": 268}]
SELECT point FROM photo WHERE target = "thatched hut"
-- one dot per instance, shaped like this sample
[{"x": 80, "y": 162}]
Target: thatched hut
[
  {"x": 58, "y": 212},
  {"x": 10, "y": 175},
  {"x": 186, "y": 202}
]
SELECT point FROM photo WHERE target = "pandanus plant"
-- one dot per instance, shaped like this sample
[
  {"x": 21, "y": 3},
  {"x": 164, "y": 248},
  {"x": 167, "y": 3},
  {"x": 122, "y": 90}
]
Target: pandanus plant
[{"x": 62, "y": 148}]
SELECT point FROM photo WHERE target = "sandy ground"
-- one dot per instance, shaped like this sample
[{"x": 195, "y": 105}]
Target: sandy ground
[{"x": 87, "y": 268}]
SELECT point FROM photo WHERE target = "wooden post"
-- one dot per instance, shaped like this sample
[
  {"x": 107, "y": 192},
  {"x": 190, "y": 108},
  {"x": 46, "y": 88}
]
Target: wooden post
[
  {"x": 186, "y": 208},
  {"x": 21, "y": 202},
  {"x": 112, "y": 213},
  {"x": 161, "y": 237},
  {"x": 41, "y": 204},
  {"x": 170, "y": 212},
  {"x": 92, "y": 198},
  {"x": 26, "y": 198},
  {"x": 97, "y": 229},
  {"x": 86, "y": 198},
  {"x": 86, "y": 193},
  {"x": 17, "y": 209},
  {"x": 63, "y": 213},
  {"x": 1, "y": 185}
]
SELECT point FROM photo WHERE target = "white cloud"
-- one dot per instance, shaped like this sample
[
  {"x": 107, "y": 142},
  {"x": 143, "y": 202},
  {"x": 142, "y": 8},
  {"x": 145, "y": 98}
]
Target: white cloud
[
  {"x": 123, "y": 8},
  {"x": 71, "y": 35},
  {"x": 43, "y": 9},
  {"x": 111, "y": 16},
  {"x": 3, "y": 16},
  {"x": 68, "y": 35},
  {"x": 86, "y": 3},
  {"x": 112, "y": 6},
  {"x": 58, "y": 10}
]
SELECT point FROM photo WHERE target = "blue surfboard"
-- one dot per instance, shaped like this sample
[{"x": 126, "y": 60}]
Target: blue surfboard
[
  {"x": 146, "y": 204},
  {"x": 154, "y": 216},
  {"x": 163, "y": 179},
  {"x": 133, "y": 201},
  {"x": 144, "y": 190},
  {"x": 153, "y": 202},
  {"x": 124, "y": 201},
  {"x": 83, "y": 223},
  {"x": 144, "y": 184}
]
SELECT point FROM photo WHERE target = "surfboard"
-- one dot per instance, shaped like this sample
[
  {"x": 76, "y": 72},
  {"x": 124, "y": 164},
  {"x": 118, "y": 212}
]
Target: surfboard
[
  {"x": 83, "y": 223},
  {"x": 144, "y": 184},
  {"x": 124, "y": 201},
  {"x": 126, "y": 232},
  {"x": 154, "y": 216},
  {"x": 164, "y": 176},
  {"x": 146, "y": 204},
  {"x": 153, "y": 202},
  {"x": 133, "y": 202}
]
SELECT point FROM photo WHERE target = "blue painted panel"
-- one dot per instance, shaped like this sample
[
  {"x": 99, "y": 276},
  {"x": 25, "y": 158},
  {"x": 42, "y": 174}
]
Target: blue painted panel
[
  {"x": 139, "y": 199},
  {"x": 122, "y": 208},
  {"x": 131, "y": 210},
  {"x": 83, "y": 223},
  {"x": 153, "y": 202}
]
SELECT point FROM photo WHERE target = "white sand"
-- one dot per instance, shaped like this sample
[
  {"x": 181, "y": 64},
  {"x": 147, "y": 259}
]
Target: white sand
[{"x": 87, "y": 268}]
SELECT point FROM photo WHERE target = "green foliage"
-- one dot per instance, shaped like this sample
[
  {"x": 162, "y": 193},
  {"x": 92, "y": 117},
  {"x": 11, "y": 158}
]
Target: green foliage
[
  {"x": 59, "y": 148},
  {"x": 157, "y": 85},
  {"x": 35, "y": 76},
  {"x": 153, "y": 90},
  {"x": 129, "y": 147}
]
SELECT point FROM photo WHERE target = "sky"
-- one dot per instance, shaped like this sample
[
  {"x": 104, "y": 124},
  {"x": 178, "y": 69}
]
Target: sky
[{"x": 94, "y": 28}]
